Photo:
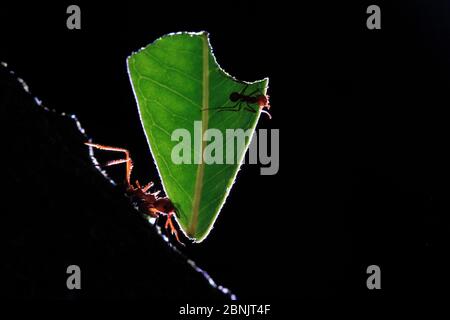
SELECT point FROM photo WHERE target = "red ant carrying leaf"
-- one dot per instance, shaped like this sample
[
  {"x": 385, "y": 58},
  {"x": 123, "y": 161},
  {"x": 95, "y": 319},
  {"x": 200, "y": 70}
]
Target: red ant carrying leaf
[{"x": 148, "y": 203}]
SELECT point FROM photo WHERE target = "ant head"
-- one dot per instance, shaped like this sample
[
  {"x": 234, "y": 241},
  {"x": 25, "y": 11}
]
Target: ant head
[
  {"x": 263, "y": 101},
  {"x": 235, "y": 96},
  {"x": 164, "y": 205}
]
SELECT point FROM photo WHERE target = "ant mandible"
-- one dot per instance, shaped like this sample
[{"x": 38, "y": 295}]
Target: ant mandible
[
  {"x": 147, "y": 202},
  {"x": 245, "y": 100}
]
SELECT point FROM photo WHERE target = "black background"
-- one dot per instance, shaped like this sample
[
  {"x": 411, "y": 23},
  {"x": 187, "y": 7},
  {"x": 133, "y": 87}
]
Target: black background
[{"x": 362, "y": 115}]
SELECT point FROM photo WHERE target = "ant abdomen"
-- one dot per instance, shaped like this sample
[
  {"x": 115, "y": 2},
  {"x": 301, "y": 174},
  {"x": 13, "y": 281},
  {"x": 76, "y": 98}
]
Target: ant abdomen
[{"x": 235, "y": 96}]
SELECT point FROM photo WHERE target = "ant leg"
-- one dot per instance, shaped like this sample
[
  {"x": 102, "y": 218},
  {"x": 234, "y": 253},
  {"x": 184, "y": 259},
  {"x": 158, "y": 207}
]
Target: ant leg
[
  {"x": 249, "y": 108},
  {"x": 243, "y": 90},
  {"x": 221, "y": 108},
  {"x": 250, "y": 94},
  {"x": 147, "y": 187},
  {"x": 127, "y": 160},
  {"x": 169, "y": 223},
  {"x": 253, "y": 92},
  {"x": 114, "y": 162},
  {"x": 236, "y": 107}
]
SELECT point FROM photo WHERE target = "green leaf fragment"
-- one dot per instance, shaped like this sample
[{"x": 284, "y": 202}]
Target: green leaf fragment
[{"x": 174, "y": 80}]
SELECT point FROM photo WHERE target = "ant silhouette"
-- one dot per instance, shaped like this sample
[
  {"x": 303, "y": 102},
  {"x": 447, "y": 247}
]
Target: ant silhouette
[
  {"x": 148, "y": 203},
  {"x": 245, "y": 101}
]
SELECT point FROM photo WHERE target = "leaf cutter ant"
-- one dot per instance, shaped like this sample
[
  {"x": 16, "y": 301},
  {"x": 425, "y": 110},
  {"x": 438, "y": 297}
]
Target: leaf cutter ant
[
  {"x": 246, "y": 100},
  {"x": 148, "y": 203}
]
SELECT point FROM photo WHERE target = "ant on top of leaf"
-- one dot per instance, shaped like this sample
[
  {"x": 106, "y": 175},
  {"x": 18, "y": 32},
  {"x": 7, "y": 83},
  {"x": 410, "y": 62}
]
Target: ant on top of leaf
[{"x": 245, "y": 101}]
